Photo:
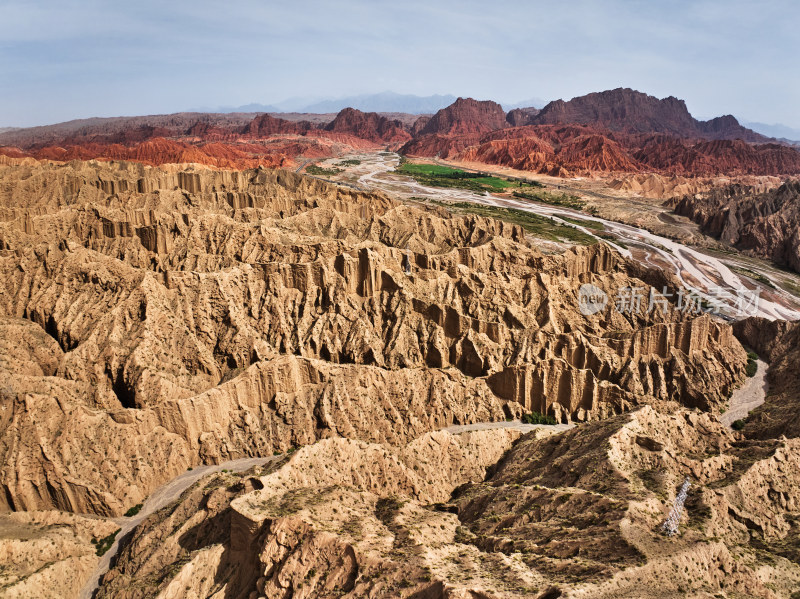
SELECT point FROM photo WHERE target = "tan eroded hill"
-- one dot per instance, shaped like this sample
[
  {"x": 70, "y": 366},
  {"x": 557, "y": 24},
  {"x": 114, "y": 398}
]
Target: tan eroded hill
[{"x": 158, "y": 318}]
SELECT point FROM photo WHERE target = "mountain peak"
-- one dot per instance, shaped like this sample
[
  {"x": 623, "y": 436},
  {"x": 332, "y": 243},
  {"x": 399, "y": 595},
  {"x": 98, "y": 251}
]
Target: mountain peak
[
  {"x": 467, "y": 116},
  {"x": 630, "y": 111}
]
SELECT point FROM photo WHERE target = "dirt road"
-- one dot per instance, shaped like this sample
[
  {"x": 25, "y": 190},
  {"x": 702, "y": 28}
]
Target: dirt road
[
  {"x": 747, "y": 397},
  {"x": 160, "y": 498}
]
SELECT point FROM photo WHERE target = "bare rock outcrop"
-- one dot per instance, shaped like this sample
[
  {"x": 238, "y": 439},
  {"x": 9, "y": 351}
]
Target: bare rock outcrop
[
  {"x": 279, "y": 534},
  {"x": 629, "y": 111},
  {"x": 765, "y": 223},
  {"x": 48, "y": 554}
]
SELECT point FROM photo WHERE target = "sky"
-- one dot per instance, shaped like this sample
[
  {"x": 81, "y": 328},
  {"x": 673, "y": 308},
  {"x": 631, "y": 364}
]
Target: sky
[{"x": 66, "y": 59}]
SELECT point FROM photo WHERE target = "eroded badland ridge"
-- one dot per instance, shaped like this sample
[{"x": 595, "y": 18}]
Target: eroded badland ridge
[
  {"x": 312, "y": 390},
  {"x": 205, "y": 315}
]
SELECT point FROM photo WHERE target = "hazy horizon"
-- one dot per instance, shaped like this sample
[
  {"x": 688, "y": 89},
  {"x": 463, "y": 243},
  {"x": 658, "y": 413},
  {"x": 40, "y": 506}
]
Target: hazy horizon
[{"x": 88, "y": 59}]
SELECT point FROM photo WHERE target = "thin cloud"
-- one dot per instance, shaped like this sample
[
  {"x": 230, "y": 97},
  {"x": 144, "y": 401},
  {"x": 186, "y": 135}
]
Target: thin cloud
[{"x": 95, "y": 58}]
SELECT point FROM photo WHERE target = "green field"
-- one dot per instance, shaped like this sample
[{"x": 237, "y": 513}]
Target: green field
[
  {"x": 435, "y": 175},
  {"x": 313, "y": 169},
  {"x": 538, "y": 226},
  {"x": 554, "y": 199}
]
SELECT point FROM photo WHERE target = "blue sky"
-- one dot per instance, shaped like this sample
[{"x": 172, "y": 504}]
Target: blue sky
[{"x": 72, "y": 59}]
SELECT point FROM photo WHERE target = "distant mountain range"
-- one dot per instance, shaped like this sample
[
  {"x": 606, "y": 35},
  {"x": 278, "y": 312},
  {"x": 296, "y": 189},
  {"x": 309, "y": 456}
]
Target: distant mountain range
[
  {"x": 620, "y": 130},
  {"x": 253, "y": 107},
  {"x": 777, "y": 131},
  {"x": 529, "y": 103},
  {"x": 381, "y": 102}
]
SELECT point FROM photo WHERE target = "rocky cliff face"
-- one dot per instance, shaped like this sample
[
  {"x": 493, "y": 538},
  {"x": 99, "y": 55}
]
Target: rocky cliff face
[
  {"x": 519, "y": 117},
  {"x": 766, "y": 223},
  {"x": 670, "y": 155},
  {"x": 182, "y": 316},
  {"x": 454, "y": 128},
  {"x": 569, "y": 149},
  {"x": 48, "y": 554},
  {"x": 159, "y": 151}
]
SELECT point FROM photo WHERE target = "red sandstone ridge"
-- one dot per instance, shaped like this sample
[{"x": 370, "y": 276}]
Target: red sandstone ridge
[
  {"x": 368, "y": 125},
  {"x": 614, "y": 131},
  {"x": 206, "y": 131},
  {"x": 561, "y": 150},
  {"x": 597, "y": 153},
  {"x": 731, "y": 157},
  {"x": 161, "y": 151},
  {"x": 466, "y": 116},
  {"x": 629, "y": 111},
  {"x": 266, "y": 125},
  {"x": 552, "y": 150},
  {"x": 519, "y": 117},
  {"x": 455, "y": 128}
]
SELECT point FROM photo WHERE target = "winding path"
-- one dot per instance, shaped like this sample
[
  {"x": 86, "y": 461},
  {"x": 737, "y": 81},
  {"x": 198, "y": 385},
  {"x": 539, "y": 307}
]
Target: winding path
[
  {"x": 160, "y": 498},
  {"x": 747, "y": 397},
  {"x": 744, "y": 399},
  {"x": 172, "y": 490}
]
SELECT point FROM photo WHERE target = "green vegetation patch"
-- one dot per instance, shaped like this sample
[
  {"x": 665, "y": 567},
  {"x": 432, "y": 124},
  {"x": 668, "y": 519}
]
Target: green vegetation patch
[
  {"x": 537, "y": 418},
  {"x": 313, "y": 169},
  {"x": 104, "y": 544},
  {"x": 756, "y": 276},
  {"x": 348, "y": 162},
  {"x": 752, "y": 368},
  {"x": 436, "y": 175},
  {"x": 134, "y": 510},
  {"x": 386, "y": 508},
  {"x": 791, "y": 287},
  {"x": 554, "y": 199},
  {"x": 538, "y": 226}
]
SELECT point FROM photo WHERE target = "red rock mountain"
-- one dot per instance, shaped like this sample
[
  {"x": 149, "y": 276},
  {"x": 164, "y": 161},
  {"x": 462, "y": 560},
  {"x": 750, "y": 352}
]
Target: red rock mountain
[
  {"x": 552, "y": 150},
  {"x": 519, "y": 117},
  {"x": 733, "y": 157},
  {"x": 266, "y": 125},
  {"x": 629, "y": 111},
  {"x": 565, "y": 150},
  {"x": 368, "y": 125},
  {"x": 616, "y": 131},
  {"x": 466, "y": 116},
  {"x": 158, "y": 151},
  {"x": 613, "y": 131}
]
